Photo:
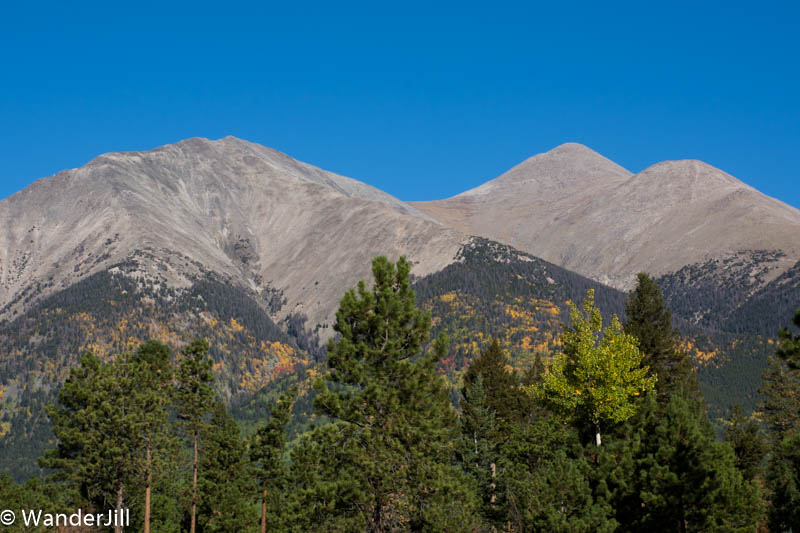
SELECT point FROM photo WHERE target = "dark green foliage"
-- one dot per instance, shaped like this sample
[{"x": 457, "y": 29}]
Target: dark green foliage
[
  {"x": 557, "y": 497},
  {"x": 547, "y": 481},
  {"x": 679, "y": 477},
  {"x": 397, "y": 424},
  {"x": 783, "y": 479},
  {"x": 478, "y": 446},
  {"x": 267, "y": 451},
  {"x": 98, "y": 427},
  {"x": 33, "y": 494},
  {"x": 651, "y": 323},
  {"x": 724, "y": 295},
  {"x": 194, "y": 395},
  {"x": 781, "y": 408},
  {"x": 781, "y": 386},
  {"x": 502, "y": 387},
  {"x": 748, "y": 442},
  {"x": 226, "y": 485}
]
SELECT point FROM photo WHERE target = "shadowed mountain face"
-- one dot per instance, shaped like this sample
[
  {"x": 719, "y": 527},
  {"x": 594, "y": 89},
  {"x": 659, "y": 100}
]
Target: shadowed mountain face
[
  {"x": 577, "y": 209},
  {"x": 245, "y": 212}
]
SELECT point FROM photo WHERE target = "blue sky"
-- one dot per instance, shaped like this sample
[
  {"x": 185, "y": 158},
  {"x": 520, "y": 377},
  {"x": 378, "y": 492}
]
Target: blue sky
[{"x": 423, "y": 102}]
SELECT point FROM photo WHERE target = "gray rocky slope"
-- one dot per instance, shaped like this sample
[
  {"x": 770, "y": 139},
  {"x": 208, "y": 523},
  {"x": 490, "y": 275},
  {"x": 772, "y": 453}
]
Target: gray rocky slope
[
  {"x": 248, "y": 213},
  {"x": 577, "y": 209}
]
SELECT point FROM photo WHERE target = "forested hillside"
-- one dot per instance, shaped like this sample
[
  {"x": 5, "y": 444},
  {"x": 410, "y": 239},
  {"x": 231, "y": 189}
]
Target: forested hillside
[
  {"x": 607, "y": 432},
  {"x": 112, "y": 312},
  {"x": 491, "y": 291}
]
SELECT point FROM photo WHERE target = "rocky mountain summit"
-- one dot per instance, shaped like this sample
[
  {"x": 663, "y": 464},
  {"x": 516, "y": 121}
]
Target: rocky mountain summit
[
  {"x": 577, "y": 209},
  {"x": 247, "y": 213}
]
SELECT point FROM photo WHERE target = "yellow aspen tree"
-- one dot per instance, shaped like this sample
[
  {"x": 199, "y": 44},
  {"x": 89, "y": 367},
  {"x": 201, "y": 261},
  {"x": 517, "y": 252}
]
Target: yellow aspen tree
[{"x": 599, "y": 373}]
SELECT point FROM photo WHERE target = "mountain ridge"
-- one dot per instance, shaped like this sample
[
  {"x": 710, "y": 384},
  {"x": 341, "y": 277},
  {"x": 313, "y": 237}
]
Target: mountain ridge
[{"x": 581, "y": 211}]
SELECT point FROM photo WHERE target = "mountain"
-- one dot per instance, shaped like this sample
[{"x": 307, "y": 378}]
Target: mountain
[
  {"x": 253, "y": 250},
  {"x": 577, "y": 209},
  {"x": 224, "y": 239},
  {"x": 250, "y": 214}
]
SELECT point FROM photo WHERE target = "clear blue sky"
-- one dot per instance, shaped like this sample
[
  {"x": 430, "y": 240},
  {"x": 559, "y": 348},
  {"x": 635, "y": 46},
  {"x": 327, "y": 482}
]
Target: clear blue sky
[{"x": 422, "y": 102}]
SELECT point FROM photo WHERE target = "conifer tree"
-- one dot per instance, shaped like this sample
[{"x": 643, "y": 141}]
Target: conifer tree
[
  {"x": 599, "y": 373},
  {"x": 781, "y": 407},
  {"x": 267, "y": 449},
  {"x": 225, "y": 485},
  {"x": 99, "y": 422},
  {"x": 547, "y": 480},
  {"x": 650, "y": 322},
  {"x": 153, "y": 376},
  {"x": 194, "y": 396},
  {"x": 397, "y": 419},
  {"x": 683, "y": 479},
  {"x": 748, "y": 442},
  {"x": 478, "y": 447},
  {"x": 502, "y": 387}
]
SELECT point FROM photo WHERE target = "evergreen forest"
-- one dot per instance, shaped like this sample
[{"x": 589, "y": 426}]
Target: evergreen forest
[{"x": 414, "y": 419}]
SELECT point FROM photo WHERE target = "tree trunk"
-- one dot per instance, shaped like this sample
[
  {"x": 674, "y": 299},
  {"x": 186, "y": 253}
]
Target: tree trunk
[
  {"x": 377, "y": 517},
  {"x": 597, "y": 439},
  {"x": 264, "y": 510},
  {"x": 194, "y": 487},
  {"x": 149, "y": 461},
  {"x": 118, "y": 518}
]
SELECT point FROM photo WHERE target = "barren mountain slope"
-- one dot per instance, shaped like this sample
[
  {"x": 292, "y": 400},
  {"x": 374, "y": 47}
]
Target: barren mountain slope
[
  {"x": 579, "y": 210},
  {"x": 247, "y": 212}
]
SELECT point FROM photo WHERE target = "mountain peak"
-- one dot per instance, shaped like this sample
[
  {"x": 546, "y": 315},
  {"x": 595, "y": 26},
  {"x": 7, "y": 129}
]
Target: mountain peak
[{"x": 562, "y": 168}]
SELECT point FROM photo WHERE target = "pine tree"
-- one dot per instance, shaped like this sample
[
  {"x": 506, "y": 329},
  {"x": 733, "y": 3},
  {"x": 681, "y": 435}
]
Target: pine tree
[
  {"x": 479, "y": 444},
  {"x": 194, "y": 397},
  {"x": 502, "y": 386},
  {"x": 398, "y": 425},
  {"x": 99, "y": 426},
  {"x": 267, "y": 450},
  {"x": 651, "y": 324},
  {"x": 547, "y": 480},
  {"x": 749, "y": 445},
  {"x": 597, "y": 377},
  {"x": 226, "y": 483},
  {"x": 783, "y": 479},
  {"x": 781, "y": 407},
  {"x": 679, "y": 478},
  {"x": 153, "y": 375}
]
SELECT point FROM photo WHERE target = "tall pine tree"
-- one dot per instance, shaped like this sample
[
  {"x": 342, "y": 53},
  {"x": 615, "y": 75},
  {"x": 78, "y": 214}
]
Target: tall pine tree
[
  {"x": 267, "y": 449},
  {"x": 781, "y": 407},
  {"x": 393, "y": 409},
  {"x": 194, "y": 396},
  {"x": 650, "y": 322},
  {"x": 225, "y": 483}
]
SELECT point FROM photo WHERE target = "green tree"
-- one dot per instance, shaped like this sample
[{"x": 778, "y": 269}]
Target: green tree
[
  {"x": 684, "y": 480},
  {"x": 399, "y": 426},
  {"x": 748, "y": 442},
  {"x": 502, "y": 387},
  {"x": 599, "y": 373},
  {"x": 650, "y": 322},
  {"x": 99, "y": 429},
  {"x": 479, "y": 444},
  {"x": 194, "y": 397},
  {"x": 153, "y": 372},
  {"x": 781, "y": 408},
  {"x": 547, "y": 480},
  {"x": 783, "y": 479},
  {"x": 267, "y": 450},
  {"x": 225, "y": 483}
]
